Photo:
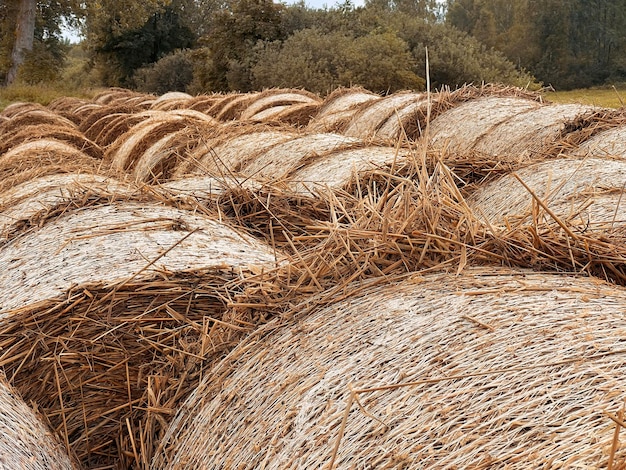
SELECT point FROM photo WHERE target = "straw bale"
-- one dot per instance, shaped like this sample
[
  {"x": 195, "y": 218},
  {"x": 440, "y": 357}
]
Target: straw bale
[
  {"x": 405, "y": 123},
  {"x": 25, "y": 441},
  {"x": 461, "y": 128},
  {"x": 585, "y": 193},
  {"x": 3, "y": 119},
  {"x": 19, "y": 106},
  {"x": 272, "y": 98},
  {"x": 112, "y": 242},
  {"x": 22, "y": 203},
  {"x": 203, "y": 103},
  {"x": 226, "y": 154},
  {"x": 99, "y": 111},
  {"x": 172, "y": 96},
  {"x": 160, "y": 160},
  {"x": 204, "y": 189},
  {"x": 490, "y": 369},
  {"x": 34, "y": 118},
  {"x": 109, "y": 128},
  {"x": 269, "y": 114},
  {"x": 64, "y": 134},
  {"x": 221, "y": 102},
  {"x": 170, "y": 105},
  {"x": 338, "y": 169},
  {"x": 530, "y": 134},
  {"x": 372, "y": 116},
  {"x": 119, "y": 96},
  {"x": 296, "y": 114},
  {"x": 608, "y": 143},
  {"x": 131, "y": 145},
  {"x": 344, "y": 99},
  {"x": 280, "y": 160},
  {"x": 335, "y": 122},
  {"x": 233, "y": 109}
]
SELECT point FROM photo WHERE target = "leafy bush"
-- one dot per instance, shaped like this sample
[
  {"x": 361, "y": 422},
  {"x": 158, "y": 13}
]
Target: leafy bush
[{"x": 172, "y": 73}]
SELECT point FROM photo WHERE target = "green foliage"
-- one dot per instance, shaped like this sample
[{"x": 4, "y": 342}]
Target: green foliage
[{"x": 172, "y": 73}]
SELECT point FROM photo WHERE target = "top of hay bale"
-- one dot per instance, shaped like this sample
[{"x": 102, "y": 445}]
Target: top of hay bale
[
  {"x": 584, "y": 193},
  {"x": 203, "y": 188},
  {"x": 608, "y": 143},
  {"x": 29, "y": 118},
  {"x": 491, "y": 368},
  {"x": 233, "y": 109},
  {"x": 461, "y": 128},
  {"x": 25, "y": 441},
  {"x": 374, "y": 115},
  {"x": 19, "y": 106},
  {"x": 272, "y": 98},
  {"x": 110, "y": 243},
  {"x": 279, "y": 161},
  {"x": 172, "y": 96},
  {"x": 343, "y": 99},
  {"x": 294, "y": 114},
  {"x": 337, "y": 169}
]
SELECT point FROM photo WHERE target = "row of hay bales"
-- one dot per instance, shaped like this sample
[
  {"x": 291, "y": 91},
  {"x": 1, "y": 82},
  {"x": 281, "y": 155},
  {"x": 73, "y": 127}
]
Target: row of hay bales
[{"x": 126, "y": 309}]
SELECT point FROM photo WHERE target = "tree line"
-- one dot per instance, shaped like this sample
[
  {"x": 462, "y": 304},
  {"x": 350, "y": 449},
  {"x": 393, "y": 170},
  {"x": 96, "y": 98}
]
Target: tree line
[{"x": 201, "y": 46}]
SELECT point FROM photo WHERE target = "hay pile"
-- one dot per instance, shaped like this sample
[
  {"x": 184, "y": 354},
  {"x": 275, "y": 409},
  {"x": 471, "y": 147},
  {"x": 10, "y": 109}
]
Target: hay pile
[
  {"x": 25, "y": 441},
  {"x": 492, "y": 368},
  {"x": 585, "y": 194}
]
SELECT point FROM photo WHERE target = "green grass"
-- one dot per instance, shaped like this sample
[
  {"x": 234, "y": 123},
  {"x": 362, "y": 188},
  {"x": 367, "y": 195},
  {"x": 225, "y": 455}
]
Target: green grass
[
  {"x": 605, "y": 97},
  {"x": 42, "y": 94}
]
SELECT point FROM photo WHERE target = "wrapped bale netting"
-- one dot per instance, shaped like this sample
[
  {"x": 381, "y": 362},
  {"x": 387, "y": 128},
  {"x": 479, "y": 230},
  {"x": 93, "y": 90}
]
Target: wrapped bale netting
[
  {"x": 339, "y": 108},
  {"x": 25, "y": 441},
  {"x": 373, "y": 116},
  {"x": 127, "y": 318},
  {"x": 585, "y": 194},
  {"x": 461, "y": 128},
  {"x": 490, "y": 369}
]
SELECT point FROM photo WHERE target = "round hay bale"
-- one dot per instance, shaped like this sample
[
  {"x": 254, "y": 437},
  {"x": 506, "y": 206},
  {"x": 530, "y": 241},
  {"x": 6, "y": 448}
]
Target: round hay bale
[
  {"x": 36, "y": 117},
  {"x": 461, "y": 128},
  {"x": 344, "y": 99},
  {"x": 272, "y": 98},
  {"x": 67, "y": 104},
  {"x": 202, "y": 188},
  {"x": 109, "y": 128},
  {"x": 161, "y": 159},
  {"x": 233, "y": 109},
  {"x": 100, "y": 111},
  {"x": 338, "y": 169},
  {"x": 131, "y": 145},
  {"x": 529, "y": 134},
  {"x": 609, "y": 143},
  {"x": 280, "y": 160},
  {"x": 109, "y": 243},
  {"x": 21, "y": 203},
  {"x": 25, "y": 441},
  {"x": 221, "y": 102},
  {"x": 42, "y": 157},
  {"x": 120, "y": 96},
  {"x": 371, "y": 117},
  {"x": 18, "y": 107},
  {"x": 586, "y": 194},
  {"x": 489, "y": 369},
  {"x": 3, "y": 119},
  {"x": 203, "y": 103},
  {"x": 135, "y": 290},
  {"x": 64, "y": 134},
  {"x": 172, "y": 96},
  {"x": 405, "y": 123},
  {"x": 226, "y": 153},
  {"x": 295, "y": 114}
]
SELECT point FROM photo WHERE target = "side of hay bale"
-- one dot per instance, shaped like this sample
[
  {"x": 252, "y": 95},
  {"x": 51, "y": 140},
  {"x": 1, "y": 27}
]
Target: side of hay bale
[
  {"x": 461, "y": 128},
  {"x": 295, "y": 114},
  {"x": 233, "y": 109},
  {"x": 343, "y": 99},
  {"x": 273, "y": 98},
  {"x": 25, "y": 441},
  {"x": 608, "y": 143},
  {"x": 70, "y": 136},
  {"x": 283, "y": 159},
  {"x": 584, "y": 193},
  {"x": 446, "y": 372}
]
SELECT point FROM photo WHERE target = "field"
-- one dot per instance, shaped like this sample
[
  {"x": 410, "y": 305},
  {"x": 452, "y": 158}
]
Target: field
[{"x": 606, "y": 97}]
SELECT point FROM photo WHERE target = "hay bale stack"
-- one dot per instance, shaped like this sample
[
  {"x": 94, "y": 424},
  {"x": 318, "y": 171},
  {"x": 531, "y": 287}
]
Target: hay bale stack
[
  {"x": 274, "y": 98},
  {"x": 608, "y": 143},
  {"x": 281, "y": 160},
  {"x": 43, "y": 157},
  {"x": 118, "y": 306},
  {"x": 374, "y": 115},
  {"x": 225, "y": 153},
  {"x": 586, "y": 194},
  {"x": 21, "y": 204},
  {"x": 339, "y": 108},
  {"x": 530, "y": 134},
  {"x": 130, "y": 146},
  {"x": 339, "y": 169},
  {"x": 70, "y": 136},
  {"x": 461, "y": 128},
  {"x": 492, "y": 368},
  {"x": 25, "y": 441}
]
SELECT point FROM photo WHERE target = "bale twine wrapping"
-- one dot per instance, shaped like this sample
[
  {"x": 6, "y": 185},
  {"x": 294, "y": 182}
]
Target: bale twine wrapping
[
  {"x": 283, "y": 159},
  {"x": 272, "y": 98},
  {"x": 70, "y": 136},
  {"x": 609, "y": 143},
  {"x": 586, "y": 194},
  {"x": 490, "y": 369},
  {"x": 25, "y": 441},
  {"x": 225, "y": 154},
  {"x": 462, "y": 127},
  {"x": 372, "y": 116},
  {"x": 530, "y": 134},
  {"x": 338, "y": 169}
]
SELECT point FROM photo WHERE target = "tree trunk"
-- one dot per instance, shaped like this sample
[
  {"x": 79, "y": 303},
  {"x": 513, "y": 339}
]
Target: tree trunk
[{"x": 24, "y": 37}]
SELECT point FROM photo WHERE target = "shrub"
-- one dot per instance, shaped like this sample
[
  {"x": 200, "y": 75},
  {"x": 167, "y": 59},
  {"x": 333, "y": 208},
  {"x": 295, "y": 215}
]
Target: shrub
[{"x": 173, "y": 72}]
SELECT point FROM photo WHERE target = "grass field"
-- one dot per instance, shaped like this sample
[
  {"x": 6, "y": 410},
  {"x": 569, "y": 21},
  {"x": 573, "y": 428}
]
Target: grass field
[{"x": 605, "y": 97}]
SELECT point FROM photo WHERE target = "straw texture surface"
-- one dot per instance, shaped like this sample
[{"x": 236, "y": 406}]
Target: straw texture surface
[
  {"x": 273, "y": 98},
  {"x": 587, "y": 194},
  {"x": 109, "y": 243},
  {"x": 25, "y": 442},
  {"x": 611, "y": 142},
  {"x": 491, "y": 369}
]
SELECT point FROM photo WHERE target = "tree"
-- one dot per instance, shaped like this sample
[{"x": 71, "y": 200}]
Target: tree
[{"x": 24, "y": 37}]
